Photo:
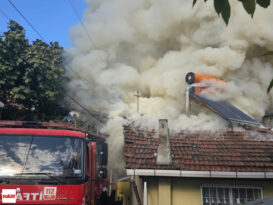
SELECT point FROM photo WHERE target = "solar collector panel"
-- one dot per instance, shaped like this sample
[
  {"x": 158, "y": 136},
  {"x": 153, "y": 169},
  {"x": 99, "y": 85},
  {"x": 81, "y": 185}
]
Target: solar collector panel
[{"x": 226, "y": 110}]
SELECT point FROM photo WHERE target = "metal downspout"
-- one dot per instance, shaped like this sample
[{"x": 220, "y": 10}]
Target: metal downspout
[
  {"x": 187, "y": 99},
  {"x": 145, "y": 194}
]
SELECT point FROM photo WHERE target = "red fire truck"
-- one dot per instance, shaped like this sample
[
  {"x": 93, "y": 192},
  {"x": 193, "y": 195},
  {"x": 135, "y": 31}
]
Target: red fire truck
[{"x": 50, "y": 163}]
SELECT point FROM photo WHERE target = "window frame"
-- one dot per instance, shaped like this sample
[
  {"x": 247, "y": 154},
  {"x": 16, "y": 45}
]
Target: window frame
[
  {"x": 81, "y": 140},
  {"x": 230, "y": 187}
]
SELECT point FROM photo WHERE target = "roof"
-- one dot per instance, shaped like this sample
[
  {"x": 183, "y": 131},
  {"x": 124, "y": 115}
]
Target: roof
[
  {"x": 25, "y": 131},
  {"x": 223, "y": 151}
]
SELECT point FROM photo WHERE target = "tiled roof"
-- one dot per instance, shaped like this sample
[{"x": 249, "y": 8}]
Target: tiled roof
[{"x": 236, "y": 151}]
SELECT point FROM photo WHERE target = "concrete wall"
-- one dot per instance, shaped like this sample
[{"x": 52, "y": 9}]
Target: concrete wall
[{"x": 187, "y": 191}]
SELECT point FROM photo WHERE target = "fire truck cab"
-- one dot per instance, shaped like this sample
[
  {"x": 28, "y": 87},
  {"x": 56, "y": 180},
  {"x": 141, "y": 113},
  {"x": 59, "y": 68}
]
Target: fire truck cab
[{"x": 42, "y": 165}]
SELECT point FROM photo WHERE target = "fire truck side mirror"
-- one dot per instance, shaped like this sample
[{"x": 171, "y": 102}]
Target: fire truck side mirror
[
  {"x": 86, "y": 178},
  {"x": 103, "y": 155},
  {"x": 102, "y": 173}
]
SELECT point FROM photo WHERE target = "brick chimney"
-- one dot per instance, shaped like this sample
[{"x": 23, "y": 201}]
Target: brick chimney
[{"x": 163, "y": 151}]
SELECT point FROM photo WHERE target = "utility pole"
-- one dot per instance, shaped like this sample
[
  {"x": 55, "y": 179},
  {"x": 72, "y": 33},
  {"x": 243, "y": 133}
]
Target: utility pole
[{"x": 138, "y": 96}]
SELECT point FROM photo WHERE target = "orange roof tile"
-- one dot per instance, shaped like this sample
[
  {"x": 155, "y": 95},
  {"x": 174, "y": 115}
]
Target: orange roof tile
[{"x": 244, "y": 151}]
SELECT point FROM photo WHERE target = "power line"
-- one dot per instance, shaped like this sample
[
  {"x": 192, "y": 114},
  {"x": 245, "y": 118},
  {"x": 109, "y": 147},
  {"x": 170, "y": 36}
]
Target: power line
[
  {"x": 85, "y": 109},
  {"x": 7, "y": 47},
  {"x": 76, "y": 74},
  {"x": 73, "y": 99},
  {"x": 41, "y": 35},
  {"x": 28, "y": 22},
  {"x": 89, "y": 37},
  {"x": 84, "y": 28},
  {"x": 4, "y": 15}
]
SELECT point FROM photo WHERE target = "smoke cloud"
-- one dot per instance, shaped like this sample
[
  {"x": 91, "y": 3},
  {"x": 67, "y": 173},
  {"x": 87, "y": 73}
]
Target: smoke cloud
[{"x": 150, "y": 45}]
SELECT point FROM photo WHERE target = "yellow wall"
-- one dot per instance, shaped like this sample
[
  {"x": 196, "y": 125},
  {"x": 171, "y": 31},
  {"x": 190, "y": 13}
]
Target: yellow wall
[
  {"x": 186, "y": 191},
  {"x": 164, "y": 191},
  {"x": 152, "y": 186}
]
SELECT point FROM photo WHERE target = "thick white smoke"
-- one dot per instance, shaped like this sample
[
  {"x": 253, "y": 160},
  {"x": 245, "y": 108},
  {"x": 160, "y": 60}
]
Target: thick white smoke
[{"x": 150, "y": 45}]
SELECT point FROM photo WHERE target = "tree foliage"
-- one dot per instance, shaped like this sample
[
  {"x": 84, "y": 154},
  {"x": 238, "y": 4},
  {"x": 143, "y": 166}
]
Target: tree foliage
[
  {"x": 223, "y": 7},
  {"x": 31, "y": 83},
  {"x": 269, "y": 53}
]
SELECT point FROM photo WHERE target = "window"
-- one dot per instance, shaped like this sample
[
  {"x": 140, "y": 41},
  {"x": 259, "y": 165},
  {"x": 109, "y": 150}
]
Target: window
[
  {"x": 37, "y": 154},
  {"x": 212, "y": 195}
]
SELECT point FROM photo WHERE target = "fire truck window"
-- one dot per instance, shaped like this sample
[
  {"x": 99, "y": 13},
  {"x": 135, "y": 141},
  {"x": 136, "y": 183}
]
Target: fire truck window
[{"x": 60, "y": 156}]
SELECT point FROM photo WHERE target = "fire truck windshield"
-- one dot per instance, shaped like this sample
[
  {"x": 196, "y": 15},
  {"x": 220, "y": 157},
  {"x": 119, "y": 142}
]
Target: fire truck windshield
[{"x": 54, "y": 155}]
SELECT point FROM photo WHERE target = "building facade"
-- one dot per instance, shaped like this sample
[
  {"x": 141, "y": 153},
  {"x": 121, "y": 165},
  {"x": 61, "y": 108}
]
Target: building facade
[{"x": 199, "y": 167}]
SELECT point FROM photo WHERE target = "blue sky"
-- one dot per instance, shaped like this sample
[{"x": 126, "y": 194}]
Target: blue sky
[{"x": 52, "y": 18}]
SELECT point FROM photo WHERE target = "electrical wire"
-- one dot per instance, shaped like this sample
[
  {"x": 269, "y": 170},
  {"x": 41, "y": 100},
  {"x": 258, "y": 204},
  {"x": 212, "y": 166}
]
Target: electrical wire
[
  {"x": 65, "y": 93},
  {"x": 85, "y": 109},
  {"x": 84, "y": 28},
  {"x": 76, "y": 74},
  {"x": 7, "y": 47},
  {"x": 28, "y": 22},
  {"x": 3, "y": 13}
]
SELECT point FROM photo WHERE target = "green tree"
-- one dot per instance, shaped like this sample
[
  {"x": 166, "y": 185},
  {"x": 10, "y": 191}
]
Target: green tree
[
  {"x": 32, "y": 78},
  {"x": 222, "y": 7},
  {"x": 269, "y": 53}
]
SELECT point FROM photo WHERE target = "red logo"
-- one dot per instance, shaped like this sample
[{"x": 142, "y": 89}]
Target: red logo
[
  {"x": 50, "y": 193},
  {"x": 8, "y": 196}
]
